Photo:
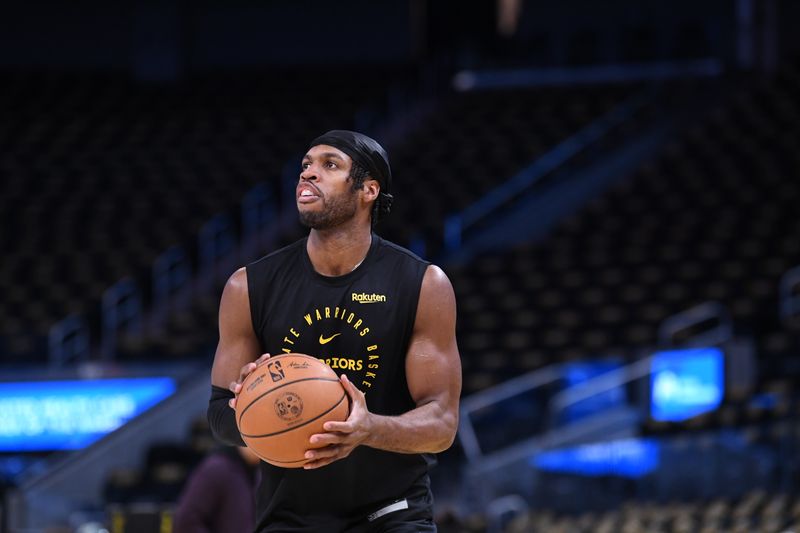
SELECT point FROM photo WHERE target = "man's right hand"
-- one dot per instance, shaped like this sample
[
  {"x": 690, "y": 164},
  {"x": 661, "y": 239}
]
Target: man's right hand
[{"x": 236, "y": 386}]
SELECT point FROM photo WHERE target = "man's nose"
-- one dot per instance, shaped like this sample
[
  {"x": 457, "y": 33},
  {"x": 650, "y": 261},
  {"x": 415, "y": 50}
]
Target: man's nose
[{"x": 308, "y": 174}]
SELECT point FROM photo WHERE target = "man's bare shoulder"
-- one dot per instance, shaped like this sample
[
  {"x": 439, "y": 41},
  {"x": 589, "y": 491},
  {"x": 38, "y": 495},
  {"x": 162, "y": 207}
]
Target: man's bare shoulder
[{"x": 436, "y": 281}]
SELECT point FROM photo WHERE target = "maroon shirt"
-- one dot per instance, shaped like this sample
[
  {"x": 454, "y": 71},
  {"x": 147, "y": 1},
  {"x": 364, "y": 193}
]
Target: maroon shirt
[{"x": 219, "y": 496}]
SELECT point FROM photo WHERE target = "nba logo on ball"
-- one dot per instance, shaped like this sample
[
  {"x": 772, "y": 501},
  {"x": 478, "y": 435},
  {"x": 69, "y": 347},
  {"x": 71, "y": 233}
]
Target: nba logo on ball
[
  {"x": 289, "y": 406},
  {"x": 275, "y": 371}
]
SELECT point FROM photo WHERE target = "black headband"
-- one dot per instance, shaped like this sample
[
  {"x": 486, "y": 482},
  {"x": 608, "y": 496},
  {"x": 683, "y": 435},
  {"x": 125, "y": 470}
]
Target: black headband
[{"x": 363, "y": 150}]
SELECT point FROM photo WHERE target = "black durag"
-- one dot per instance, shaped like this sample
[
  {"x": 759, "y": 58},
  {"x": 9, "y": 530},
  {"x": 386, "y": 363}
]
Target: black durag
[{"x": 367, "y": 153}]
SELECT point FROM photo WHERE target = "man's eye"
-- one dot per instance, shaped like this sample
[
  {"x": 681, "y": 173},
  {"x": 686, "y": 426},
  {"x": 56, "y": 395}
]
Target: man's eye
[{"x": 331, "y": 164}]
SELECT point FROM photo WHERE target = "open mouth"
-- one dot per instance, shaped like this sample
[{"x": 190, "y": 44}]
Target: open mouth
[{"x": 307, "y": 195}]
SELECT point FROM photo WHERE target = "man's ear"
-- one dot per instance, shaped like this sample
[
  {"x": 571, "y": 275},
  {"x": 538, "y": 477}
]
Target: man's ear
[{"x": 370, "y": 190}]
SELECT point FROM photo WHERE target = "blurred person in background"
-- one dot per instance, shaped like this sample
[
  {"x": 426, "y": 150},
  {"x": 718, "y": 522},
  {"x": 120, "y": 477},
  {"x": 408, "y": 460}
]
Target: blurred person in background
[{"x": 219, "y": 496}]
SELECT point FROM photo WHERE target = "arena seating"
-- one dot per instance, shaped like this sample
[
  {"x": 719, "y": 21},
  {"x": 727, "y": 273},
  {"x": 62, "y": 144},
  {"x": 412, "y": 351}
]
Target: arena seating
[
  {"x": 757, "y": 512},
  {"x": 712, "y": 218},
  {"x": 102, "y": 174},
  {"x": 741, "y": 476},
  {"x": 163, "y": 470},
  {"x": 526, "y": 124},
  {"x": 477, "y": 141}
]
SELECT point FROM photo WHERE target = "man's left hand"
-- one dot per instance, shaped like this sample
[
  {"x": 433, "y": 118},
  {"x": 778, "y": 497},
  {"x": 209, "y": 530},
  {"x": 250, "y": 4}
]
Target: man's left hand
[{"x": 341, "y": 438}]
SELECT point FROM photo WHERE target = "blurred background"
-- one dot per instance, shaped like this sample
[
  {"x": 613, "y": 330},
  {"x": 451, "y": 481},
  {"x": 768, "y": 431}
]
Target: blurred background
[{"x": 613, "y": 188}]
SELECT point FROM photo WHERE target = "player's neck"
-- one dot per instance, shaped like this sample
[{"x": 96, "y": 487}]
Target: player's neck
[{"x": 337, "y": 252}]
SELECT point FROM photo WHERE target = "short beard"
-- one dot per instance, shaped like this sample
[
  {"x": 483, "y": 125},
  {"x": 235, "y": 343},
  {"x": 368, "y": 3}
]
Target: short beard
[{"x": 336, "y": 210}]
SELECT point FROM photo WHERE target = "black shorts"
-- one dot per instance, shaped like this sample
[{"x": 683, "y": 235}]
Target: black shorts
[{"x": 408, "y": 515}]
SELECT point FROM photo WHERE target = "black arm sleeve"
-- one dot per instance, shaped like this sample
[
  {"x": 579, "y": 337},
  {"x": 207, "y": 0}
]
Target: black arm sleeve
[{"x": 222, "y": 419}]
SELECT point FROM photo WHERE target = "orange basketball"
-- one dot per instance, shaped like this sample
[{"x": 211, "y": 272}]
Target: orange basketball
[{"x": 283, "y": 402}]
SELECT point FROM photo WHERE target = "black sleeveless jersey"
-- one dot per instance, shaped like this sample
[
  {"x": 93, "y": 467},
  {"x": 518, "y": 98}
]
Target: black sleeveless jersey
[{"x": 360, "y": 324}]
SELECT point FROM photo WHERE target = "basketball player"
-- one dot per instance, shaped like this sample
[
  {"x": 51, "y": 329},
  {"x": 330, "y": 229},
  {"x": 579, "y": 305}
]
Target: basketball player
[{"x": 381, "y": 317}]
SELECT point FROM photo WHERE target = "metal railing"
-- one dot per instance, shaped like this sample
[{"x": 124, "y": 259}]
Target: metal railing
[
  {"x": 457, "y": 224},
  {"x": 68, "y": 341},
  {"x": 259, "y": 210},
  {"x": 611, "y": 380},
  {"x": 506, "y": 471},
  {"x": 122, "y": 312},
  {"x": 172, "y": 276},
  {"x": 502, "y": 466},
  {"x": 715, "y": 316},
  {"x": 498, "y": 393},
  {"x": 173, "y": 284},
  {"x": 789, "y": 297},
  {"x": 216, "y": 240}
]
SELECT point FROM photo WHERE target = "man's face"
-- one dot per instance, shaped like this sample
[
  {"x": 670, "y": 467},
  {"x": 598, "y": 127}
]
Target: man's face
[{"x": 324, "y": 194}]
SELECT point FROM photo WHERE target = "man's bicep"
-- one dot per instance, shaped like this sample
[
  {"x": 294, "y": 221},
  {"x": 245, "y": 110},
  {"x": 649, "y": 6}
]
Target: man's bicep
[
  {"x": 238, "y": 344},
  {"x": 433, "y": 365}
]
